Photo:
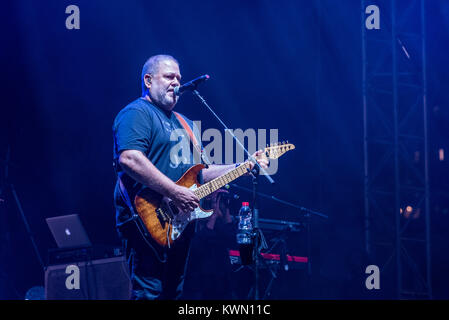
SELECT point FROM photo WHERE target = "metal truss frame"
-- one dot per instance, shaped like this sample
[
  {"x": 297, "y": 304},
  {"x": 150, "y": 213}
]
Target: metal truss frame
[{"x": 396, "y": 164}]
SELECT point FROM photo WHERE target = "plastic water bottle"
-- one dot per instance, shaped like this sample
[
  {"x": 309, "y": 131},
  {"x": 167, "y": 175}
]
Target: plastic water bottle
[
  {"x": 245, "y": 227},
  {"x": 245, "y": 235}
]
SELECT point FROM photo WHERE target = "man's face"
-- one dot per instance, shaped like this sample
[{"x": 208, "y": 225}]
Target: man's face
[{"x": 163, "y": 84}]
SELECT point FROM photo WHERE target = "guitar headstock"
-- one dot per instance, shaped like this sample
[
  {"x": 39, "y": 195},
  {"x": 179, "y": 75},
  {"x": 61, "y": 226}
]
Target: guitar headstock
[{"x": 275, "y": 150}]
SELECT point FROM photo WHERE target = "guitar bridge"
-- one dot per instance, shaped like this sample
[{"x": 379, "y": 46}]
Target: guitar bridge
[
  {"x": 162, "y": 216},
  {"x": 166, "y": 212},
  {"x": 173, "y": 208}
]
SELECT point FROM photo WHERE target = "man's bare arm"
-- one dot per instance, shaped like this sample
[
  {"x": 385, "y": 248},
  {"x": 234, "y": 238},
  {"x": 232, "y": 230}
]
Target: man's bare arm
[{"x": 138, "y": 167}]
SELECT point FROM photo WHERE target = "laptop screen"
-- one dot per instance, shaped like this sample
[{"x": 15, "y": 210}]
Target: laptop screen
[{"x": 68, "y": 231}]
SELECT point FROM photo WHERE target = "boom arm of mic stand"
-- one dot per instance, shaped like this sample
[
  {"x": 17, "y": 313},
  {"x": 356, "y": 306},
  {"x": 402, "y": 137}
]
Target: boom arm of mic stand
[
  {"x": 282, "y": 201},
  {"x": 196, "y": 93}
]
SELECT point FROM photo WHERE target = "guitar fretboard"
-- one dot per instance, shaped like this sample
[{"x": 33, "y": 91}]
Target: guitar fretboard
[{"x": 213, "y": 185}]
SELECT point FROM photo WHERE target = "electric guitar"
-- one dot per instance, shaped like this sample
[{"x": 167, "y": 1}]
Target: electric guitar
[{"x": 165, "y": 222}]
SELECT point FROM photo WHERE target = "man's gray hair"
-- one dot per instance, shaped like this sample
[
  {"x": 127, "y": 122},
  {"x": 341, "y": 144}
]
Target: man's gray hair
[{"x": 151, "y": 66}]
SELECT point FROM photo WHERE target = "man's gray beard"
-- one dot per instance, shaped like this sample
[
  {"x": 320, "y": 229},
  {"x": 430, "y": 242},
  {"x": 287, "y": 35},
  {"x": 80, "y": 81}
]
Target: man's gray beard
[{"x": 165, "y": 103}]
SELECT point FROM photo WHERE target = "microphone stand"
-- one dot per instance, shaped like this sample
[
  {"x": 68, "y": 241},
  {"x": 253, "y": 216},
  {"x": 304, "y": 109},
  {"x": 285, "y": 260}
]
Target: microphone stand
[
  {"x": 5, "y": 186},
  {"x": 256, "y": 232},
  {"x": 263, "y": 195},
  {"x": 258, "y": 236}
]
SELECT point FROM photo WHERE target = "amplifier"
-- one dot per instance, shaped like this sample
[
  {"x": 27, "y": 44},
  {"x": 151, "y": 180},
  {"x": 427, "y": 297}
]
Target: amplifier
[
  {"x": 102, "y": 279},
  {"x": 67, "y": 255}
]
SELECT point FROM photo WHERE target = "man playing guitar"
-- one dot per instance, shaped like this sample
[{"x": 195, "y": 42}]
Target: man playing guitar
[{"x": 142, "y": 161}]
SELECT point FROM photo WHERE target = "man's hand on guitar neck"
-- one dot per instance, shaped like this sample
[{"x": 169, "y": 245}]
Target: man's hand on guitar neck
[
  {"x": 217, "y": 170},
  {"x": 261, "y": 159}
]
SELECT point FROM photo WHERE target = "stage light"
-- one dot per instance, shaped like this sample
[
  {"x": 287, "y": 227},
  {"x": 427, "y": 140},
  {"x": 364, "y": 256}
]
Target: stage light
[
  {"x": 410, "y": 212},
  {"x": 441, "y": 154}
]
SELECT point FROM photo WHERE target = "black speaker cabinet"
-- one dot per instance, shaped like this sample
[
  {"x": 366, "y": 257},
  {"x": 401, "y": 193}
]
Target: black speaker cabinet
[{"x": 103, "y": 279}]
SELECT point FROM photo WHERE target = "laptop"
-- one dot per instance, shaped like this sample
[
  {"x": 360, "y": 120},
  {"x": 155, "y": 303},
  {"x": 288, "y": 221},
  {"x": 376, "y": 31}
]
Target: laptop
[{"x": 68, "y": 232}]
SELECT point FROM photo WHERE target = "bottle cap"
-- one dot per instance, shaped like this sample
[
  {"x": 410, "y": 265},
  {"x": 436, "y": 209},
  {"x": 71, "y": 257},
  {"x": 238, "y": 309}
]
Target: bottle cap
[{"x": 245, "y": 204}]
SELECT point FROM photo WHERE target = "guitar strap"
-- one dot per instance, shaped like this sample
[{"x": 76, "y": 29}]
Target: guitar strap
[
  {"x": 125, "y": 197},
  {"x": 187, "y": 128},
  {"x": 137, "y": 221}
]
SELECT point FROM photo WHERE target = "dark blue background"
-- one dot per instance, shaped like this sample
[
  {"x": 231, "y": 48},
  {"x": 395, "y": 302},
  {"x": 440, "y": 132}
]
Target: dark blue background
[{"x": 291, "y": 65}]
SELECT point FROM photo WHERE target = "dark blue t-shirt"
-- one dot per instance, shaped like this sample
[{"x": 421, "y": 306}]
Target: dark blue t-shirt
[{"x": 157, "y": 134}]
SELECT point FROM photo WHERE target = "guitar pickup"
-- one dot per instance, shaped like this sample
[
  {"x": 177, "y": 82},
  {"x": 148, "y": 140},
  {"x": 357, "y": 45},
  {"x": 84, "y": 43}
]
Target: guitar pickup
[{"x": 162, "y": 216}]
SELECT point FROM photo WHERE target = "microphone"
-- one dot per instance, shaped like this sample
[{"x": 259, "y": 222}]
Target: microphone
[{"x": 191, "y": 85}]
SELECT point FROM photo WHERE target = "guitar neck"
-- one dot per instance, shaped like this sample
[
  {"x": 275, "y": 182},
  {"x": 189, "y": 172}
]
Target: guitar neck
[
  {"x": 271, "y": 152},
  {"x": 213, "y": 185}
]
